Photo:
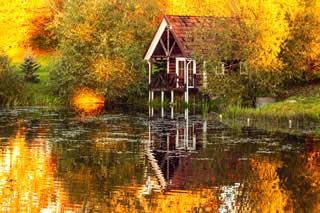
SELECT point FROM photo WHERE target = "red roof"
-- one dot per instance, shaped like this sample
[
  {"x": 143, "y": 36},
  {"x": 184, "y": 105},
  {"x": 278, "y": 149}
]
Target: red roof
[{"x": 183, "y": 29}]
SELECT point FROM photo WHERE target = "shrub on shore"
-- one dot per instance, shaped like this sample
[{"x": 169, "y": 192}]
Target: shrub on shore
[{"x": 11, "y": 83}]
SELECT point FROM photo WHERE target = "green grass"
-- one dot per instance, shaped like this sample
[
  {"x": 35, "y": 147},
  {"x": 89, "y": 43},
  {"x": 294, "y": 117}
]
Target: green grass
[
  {"x": 37, "y": 94},
  {"x": 295, "y": 108}
]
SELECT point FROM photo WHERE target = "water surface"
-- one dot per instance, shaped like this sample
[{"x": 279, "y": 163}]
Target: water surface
[{"x": 56, "y": 161}]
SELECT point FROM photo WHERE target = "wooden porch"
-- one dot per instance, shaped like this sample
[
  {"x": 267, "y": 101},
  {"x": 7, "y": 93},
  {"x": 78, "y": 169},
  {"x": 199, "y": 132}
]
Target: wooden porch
[{"x": 163, "y": 81}]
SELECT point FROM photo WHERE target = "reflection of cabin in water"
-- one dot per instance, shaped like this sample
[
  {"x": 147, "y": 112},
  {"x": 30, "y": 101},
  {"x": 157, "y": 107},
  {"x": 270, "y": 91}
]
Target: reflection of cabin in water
[
  {"x": 172, "y": 66},
  {"x": 178, "y": 152},
  {"x": 172, "y": 148}
]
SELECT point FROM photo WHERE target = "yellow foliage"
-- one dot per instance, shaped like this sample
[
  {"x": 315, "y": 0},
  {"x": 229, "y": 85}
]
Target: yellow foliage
[
  {"x": 268, "y": 16},
  {"x": 83, "y": 31},
  {"x": 187, "y": 7},
  {"x": 109, "y": 69},
  {"x": 14, "y": 18},
  {"x": 266, "y": 191}
]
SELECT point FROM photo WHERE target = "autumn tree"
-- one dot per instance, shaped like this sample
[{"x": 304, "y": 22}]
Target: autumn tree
[
  {"x": 300, "y": 51},
  {"x": 228, "y": 47},
  {"x": 14, "y": 19},
  {"x": 102, "y": 45},
  {"x": 40, "y": 36}
]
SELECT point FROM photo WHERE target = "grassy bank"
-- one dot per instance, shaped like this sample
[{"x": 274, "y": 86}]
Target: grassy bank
[
  {"x": 294, "y": 108},
  {"x": 38, "y": 94},
  {"x": 297, "y": 127},
  {"x": 35, "y": 94},
  {"x": 301, "y": 103}
]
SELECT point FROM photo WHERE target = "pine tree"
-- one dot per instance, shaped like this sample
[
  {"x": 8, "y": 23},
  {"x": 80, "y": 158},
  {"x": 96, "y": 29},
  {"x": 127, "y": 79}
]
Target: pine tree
[{"x": 29, "y": 67}]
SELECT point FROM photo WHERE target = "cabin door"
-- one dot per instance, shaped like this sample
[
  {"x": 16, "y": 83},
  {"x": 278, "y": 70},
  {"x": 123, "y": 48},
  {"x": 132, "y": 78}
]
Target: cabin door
[
  {"x": 180, "y": 70},
  {"x": 182, "y": 75}
]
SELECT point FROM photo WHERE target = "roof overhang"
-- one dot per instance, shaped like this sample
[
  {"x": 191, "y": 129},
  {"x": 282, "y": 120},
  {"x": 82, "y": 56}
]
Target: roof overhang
[{"x": 156, "y": 39}]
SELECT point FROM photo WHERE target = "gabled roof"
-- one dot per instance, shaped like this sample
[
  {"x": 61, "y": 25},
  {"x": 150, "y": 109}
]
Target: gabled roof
[{"x": 182, "y": 27}]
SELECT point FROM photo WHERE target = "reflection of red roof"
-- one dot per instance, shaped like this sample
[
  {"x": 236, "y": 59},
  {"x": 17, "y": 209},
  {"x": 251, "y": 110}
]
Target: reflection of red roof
[
  {"x": 183, "y": 27},
  {"x": 190, "y": 173}
]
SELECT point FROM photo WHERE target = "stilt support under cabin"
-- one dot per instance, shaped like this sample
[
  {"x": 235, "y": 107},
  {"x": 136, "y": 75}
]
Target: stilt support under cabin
[
  {"x": 152, "y": 97},
  {"x": 149, "y": 103},
  {"x": 172, "y": 101},
  {"x": 204, "y": 132},
  {"x": 162, "y": 103},
  {"x": 186, "y": 113},
  {"x": 186, "y": 99}
]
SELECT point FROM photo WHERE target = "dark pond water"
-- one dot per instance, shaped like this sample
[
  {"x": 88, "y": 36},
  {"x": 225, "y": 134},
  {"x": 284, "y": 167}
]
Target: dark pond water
[{"x": 54, "y": 161}]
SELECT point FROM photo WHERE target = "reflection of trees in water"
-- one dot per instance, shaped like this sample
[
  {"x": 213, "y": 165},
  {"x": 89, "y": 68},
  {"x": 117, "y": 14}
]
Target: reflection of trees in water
[
  {"x": 99, "y": 160},
  {"x": 27, "y": 173},
  {"x": 300, "y": 175},
  {"x": 264, "y": 187}
]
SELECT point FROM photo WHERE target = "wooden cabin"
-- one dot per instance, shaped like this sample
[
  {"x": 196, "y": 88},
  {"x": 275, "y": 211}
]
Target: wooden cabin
[{"x": 170, "y": 52}]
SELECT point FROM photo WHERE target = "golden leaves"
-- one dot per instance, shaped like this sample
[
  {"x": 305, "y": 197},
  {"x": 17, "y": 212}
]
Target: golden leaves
[
  {"x": 14, "y": 17},
  {"x": 83, "y": 31},
  {"x": 111, "y": 69},
  {"x": 270, "y": 18},
  {"x": 187, "y": 7}
]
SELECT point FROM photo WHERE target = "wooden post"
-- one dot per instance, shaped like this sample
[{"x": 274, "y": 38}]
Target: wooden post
[
  {"x": 177, "y": 135},
  {"x": 186, "y": 94},
  {"x": 152, "y": 97},
  {"x": 162, "y": 102},
  {"x": 194, "y": 138},
  {"x": 186, "y": 113},
  {"x": 172, "y": 101},
  {"x": 149, "y": 135},
  {"x": 186, "y": 143},
  {"x": 204, "y": 133},
  {"x": 150, "y": 71},
  {"x": 149, "y": 103}
]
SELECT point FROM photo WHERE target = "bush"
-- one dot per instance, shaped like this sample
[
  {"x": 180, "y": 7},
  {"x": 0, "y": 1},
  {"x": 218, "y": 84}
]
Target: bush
[
  {"x": 243, "y": 88},
  {"x": 103, "y": 51},
  {"x": 11, "y": 83}
]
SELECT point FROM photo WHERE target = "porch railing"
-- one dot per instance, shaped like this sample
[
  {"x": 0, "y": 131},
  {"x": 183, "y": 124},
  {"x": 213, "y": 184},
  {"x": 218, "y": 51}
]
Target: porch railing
[{"x": 164, "y": 80}]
